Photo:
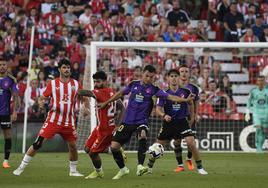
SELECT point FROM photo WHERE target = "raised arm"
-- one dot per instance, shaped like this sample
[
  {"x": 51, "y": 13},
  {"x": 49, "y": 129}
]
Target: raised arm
[
  {"x": 180, "y": 99},
  {"x": 116, "y": 96},
  {"x": 88, "y": 93}
]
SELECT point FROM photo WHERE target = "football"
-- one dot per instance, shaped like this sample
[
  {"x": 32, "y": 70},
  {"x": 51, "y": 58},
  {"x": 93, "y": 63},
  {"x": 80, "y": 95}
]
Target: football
[{"x": 156, "y": 150}]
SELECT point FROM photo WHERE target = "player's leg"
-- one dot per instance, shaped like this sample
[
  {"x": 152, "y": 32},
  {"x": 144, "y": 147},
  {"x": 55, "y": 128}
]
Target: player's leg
[
  {"x": 69, "y": 135},
  {"x": 120, "y": 137},
  {"x": 192, "y": 145},
  {"x": 259, "y": 138},
  {"x": 187, "y": 134},
  {"x": 29, "y": 155},
  {"x": 5, "y": 124},
  {"x": 189, "y": 152},
  {"x": 73, "y": 158},
  {"x": 178, "y": 155},
  {"x": 7, "y": 148}
]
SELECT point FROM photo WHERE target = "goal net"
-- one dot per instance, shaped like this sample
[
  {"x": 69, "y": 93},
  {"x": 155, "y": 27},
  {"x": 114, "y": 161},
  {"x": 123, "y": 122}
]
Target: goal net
[{"x": 224, "y": 73}]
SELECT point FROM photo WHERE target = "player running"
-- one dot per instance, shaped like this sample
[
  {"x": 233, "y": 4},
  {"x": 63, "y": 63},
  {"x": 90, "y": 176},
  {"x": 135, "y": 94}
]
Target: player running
[
  {"x": 101, "y": 137},
  {"x": 61, "y": 117},
  {"x": 8, "y": 89},
  {"x": 258, "y": 105},
  {"x": 175, "y": 125},
  {"x": 136, "y": 117},
  {"x": 184, "y": 74}
]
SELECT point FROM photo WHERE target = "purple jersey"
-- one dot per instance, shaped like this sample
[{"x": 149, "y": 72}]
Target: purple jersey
[
  {"x": 174, "y": 109},
  {"x": 140, "y": 103},
  {"x": 7, "y": 86}
]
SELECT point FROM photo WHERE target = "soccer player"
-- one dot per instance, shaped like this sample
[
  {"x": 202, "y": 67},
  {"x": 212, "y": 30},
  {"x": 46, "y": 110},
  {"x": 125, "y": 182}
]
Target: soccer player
[
  {"x": 8, "y": 89},
  {"x": 61, "y": 117},
  {"x": 175, "y": 125},
  {"x": 136, "y": 117},
  {"x": 258, "y": 105},
  {"x": 184, "y": 74},
  {"x": 101, "y": 137}
]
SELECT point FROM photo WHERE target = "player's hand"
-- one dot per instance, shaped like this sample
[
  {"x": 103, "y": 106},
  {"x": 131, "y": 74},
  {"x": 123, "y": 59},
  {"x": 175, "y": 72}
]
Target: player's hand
[
  {"x": 167, "y": 118},
  {"x": 86, "y": 111},
  {"x": 102, "y": 105},
  {"x": 14, "y": 116},
  {"x": 247, "y": 117},
  {"x": 190, "y": 97}
]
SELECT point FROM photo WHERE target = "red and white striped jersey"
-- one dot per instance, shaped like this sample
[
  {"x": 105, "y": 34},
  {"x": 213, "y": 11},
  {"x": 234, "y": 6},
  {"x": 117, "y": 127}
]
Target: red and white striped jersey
[{"x": 63, "y": 100}]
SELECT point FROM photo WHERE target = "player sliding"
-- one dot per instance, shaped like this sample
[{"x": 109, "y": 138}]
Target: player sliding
[
  {"x": 61, "y": 117},
  {"x": 184, "y": 74},
  {"x": 101, "y": 137},
  {"x": 175, "y": 125},
  {"x": 136, "y": 117}
]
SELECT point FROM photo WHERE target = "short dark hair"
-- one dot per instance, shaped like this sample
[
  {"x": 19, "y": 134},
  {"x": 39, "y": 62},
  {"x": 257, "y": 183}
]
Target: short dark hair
[
  {"x": 100, "y": 75},
  {"x": 261, "y": 76},
  {"x": 64, "y": 62},
  {"x": 173, "y": 71},
  {"x": 149, "y": 68}
]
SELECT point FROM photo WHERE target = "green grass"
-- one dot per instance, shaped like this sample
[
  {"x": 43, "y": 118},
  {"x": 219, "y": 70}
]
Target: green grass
[{"x": 225, "y": 170}]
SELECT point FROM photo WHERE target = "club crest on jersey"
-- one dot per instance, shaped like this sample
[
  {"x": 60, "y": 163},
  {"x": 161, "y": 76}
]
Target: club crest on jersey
[{"x": 148, "y": 90}]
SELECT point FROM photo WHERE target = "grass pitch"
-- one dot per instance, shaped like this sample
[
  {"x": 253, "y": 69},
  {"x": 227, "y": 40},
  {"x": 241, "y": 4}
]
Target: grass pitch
[{"x": 225, "y": 170}]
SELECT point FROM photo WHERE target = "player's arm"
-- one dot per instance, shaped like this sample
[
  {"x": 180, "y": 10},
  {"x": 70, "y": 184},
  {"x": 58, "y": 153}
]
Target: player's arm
[
  {"x": 180, "y": 99},
  {"x": 192, "y": 112},
  {"x": 88, "y": 93},
  {"x": 119, "y": 112},
  {"x": 115, "y": 97},
  {"x": 16, "y": 100},
  {"x": 160, "y": 111},
  {"x": 249, "y": 104}
]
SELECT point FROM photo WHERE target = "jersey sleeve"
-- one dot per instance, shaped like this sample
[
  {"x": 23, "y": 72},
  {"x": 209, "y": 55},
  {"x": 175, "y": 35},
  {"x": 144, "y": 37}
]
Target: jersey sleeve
[
  {"x": 127, "y": 89},
  {"x": 161, "y": 93},
  {"x": 48, "y": 90},
  {"x": 160, "y": 102}
]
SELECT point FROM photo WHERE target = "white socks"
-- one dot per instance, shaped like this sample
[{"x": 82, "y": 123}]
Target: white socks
[
  {"x": 26, "y": 159},
  {"x": 73, "y": 165}
]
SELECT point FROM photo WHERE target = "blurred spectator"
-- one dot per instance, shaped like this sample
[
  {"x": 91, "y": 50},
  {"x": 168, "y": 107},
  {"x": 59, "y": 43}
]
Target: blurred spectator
[
  {"x": 123, "y": 72},
  {"x": 33, "y": 72},
  {"x": 133, "y": 59},
  {"x": 171, "y": 35},
  {"x": 201, "y": 31},
  {"x": 79, "y": 6},
  {"x": 205, "y": 109},
  {"x": 220, "y": 101},
  {"x": 230, "y": 19},
  {"x": 172, "y": 62},
  {"x": 177, "y": 14},
  {"x": 257, "y": 28},
  {"x": 129, "y": 6},
  {"x": 84, "y": 18},
  {"x": 264, "y": 37},
  {"x": 137, "y": 17},
  {"x": 69, "y": 17},
  {"x": 226, "y": 86},
  {"x": 75, "y": 70},
  {"x": 250, "y": 17},
  {"x": 138, "y": 35},
  {"x": 216, "y": 74},
  {"x": 119, "y": 33},
  {"x": 163, "y": 8},
  {"x": 190, "y": 35},
  {"x": 128, "y": 27},
  {"x": 235, "y": 36},
  {"x": 249, "y": 37},
  {"x": 204, "y": 79}
]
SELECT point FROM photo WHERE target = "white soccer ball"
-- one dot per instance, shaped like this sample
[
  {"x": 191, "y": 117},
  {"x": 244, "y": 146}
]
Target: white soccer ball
[{"x": 156, "y": 150}]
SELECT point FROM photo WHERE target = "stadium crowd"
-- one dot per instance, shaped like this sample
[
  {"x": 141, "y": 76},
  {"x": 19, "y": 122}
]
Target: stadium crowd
[{"x": 62, "y": 27}]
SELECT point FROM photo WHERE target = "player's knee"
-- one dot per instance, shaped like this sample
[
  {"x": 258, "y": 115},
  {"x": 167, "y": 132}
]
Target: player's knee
[
  {"x": 86, "y": 149},
  {"x": 38, "y": 143},
  {"x": 142, "y": 135}
]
